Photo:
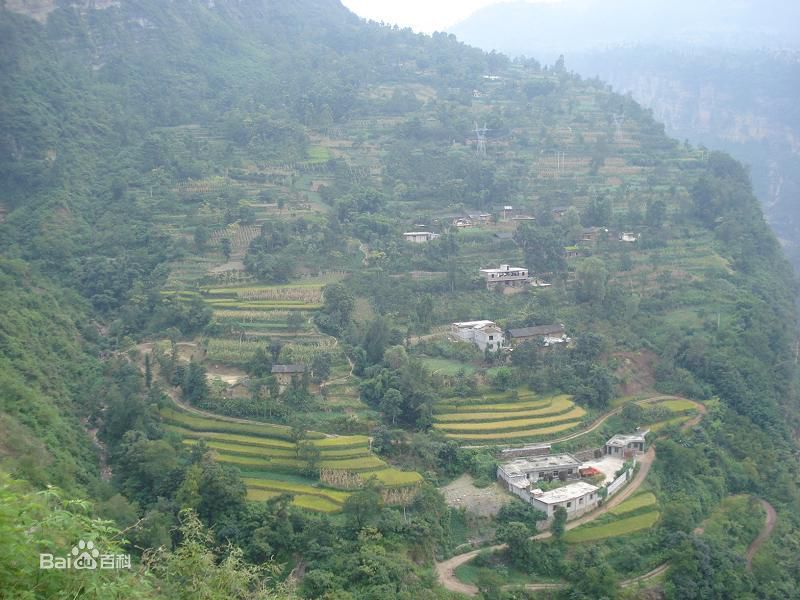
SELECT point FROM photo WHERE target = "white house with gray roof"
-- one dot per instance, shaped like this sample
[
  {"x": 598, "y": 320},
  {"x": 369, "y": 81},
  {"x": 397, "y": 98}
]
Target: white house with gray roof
[
  {"x": 484, "y": 334},
  {"x": 576, "y": 498},
  {"x": 625, "y": 446}
]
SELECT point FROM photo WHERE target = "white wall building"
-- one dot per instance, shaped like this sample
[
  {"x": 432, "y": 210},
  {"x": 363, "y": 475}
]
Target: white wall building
[
  {"x": 420, "y": 237},
  {"x": 505, "y": 275},
  {"x": 534, "y": 468},
  {"x": 576, "y": 498},
  {"x": 484, "y": 334},
  {"x": 625, "y": 446}
]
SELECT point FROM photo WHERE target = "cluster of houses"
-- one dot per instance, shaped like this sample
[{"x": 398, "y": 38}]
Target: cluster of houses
[
  {"x": 576, "y": 497},
  {"x": 488, "y": 335}
]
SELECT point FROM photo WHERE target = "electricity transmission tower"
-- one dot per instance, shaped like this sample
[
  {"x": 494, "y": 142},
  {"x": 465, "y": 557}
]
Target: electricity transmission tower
[
  {"x": 480, "y": 136},
  {"x": 618, "y": 121}
]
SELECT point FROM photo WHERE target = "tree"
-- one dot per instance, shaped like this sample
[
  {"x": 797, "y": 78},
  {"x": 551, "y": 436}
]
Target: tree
[
  {"x": 392, "y": 404},
  {"x": 558, "y": 526},
  {"x": 376, "y": 339},
  {"x": 516, "y": 535},
  {"x": 362, "y": 508},
  {"x": 201, "y": 237},
  {"x": 543, "y": 248},
  {"x": 225, "y": 244},
  {"x": 337, "y": 309},
  {"x": 321, "y": 366},
  {"x": 592, "y": 278},
  {"x": 656, "y": 213}
]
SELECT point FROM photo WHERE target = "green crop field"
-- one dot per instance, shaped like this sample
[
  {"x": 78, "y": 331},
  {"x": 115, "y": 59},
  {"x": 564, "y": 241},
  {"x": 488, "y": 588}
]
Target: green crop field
[
  {"x": 446, "y": 366},
  {"x": 576, "y": 413},
  {"x": 634, "y": 503},
  {"x": 678, "y": 405},
  {"x": 592, "y": 533},
  {"x": 261, "y": 451},
  {"x": 662, "y": 424},
  {"x": 356, "y": 465}
]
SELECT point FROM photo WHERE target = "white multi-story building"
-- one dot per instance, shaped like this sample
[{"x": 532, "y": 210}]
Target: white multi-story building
[
  {"x": 484, "y": 334},
  {"x": 420, "y": 237},
  {"x": 506, "y": 276}
]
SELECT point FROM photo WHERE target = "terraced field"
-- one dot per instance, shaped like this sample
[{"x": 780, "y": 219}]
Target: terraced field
[
  {"x": 514, "y": 415},
  {"x": 614, "y": 528},
  {"x": 264, "y": 451}
]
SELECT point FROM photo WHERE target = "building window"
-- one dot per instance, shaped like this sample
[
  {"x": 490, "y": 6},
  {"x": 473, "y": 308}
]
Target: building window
[
  {"x": 569, "y": 504},
  {"x": 569, "y": 472},
  {"x": 491, "y": 337},
  {"x": 555, "y": 473},
  {"x": 580, "y": 500}
]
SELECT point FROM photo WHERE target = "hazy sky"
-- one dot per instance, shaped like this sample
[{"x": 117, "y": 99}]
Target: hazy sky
[{"x": 421, "y": 15}]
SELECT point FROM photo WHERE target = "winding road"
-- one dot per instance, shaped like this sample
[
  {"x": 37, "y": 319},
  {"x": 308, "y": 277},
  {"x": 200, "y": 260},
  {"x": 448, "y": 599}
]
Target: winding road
[
  {"x": 446, "y": 569},
  {"x": 763, "y": 535}
]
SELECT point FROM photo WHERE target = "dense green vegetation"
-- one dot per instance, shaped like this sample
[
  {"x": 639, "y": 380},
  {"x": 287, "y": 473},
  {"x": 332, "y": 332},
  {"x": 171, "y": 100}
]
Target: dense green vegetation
[{"x": 193, "y": 194}]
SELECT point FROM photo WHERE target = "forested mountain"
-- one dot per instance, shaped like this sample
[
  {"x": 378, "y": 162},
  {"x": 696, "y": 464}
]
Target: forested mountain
[
  {"x": 721, "y": 76},
  {"x": 219, "y": 354}
]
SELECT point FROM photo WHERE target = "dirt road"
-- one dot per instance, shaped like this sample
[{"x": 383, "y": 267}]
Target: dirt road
[
  {"x": 446, "y": 569},
  {"x": 763, "y": 535}
]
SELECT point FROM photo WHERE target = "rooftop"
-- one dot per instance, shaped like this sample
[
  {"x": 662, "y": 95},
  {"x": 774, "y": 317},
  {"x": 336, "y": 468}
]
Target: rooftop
[
  {"x": 566, "y": 493},
  {"x": 418, "y": 233},
  {"x": 477, "y": 325},
  {"x": 503, "y": 268},
  {"x": 288, "y": 368},
  {"x": 538, "y": 330},
  {"x": 623, "y": 440},
  {"x": 522, "y": 466}
]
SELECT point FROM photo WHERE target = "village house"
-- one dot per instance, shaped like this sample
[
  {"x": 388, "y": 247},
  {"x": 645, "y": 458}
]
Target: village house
[
  {"x": 548, "y": 335},
  {"x": 558, "y": 212},
  {"x": 484, "y": 334},
  {"x": 506, "y": 276},
  {"x": 626, "y": 446},
  {"x": 285, "y": 373},
  {"x": 533, "y": 468},
  {"x": 576, "y": 498},
  {"x": 463, "y": 222},
  {"x": 628, "y": 236},
  {"x": 419, "y": 237},
  {"x": 593, "y": 234}
]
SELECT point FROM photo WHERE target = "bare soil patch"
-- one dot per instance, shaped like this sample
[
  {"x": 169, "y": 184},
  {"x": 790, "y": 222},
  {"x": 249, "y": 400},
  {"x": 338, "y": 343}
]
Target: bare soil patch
[
  {"x": 480, "y": 501},
  {"x": 636, "y": 371}
]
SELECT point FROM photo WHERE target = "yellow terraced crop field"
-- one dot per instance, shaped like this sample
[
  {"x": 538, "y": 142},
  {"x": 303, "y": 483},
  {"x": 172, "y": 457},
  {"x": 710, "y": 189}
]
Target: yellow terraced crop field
[
  {"x": 559, "y": 405},
  {"x": 505, "y": 435},
  {"x": 259, "y": 451},
  {"x": 314, "y": 503},
  {"x": 394, "y": 478},
  {"x": 502, "y": 406},
  {"x": 296, "y": 488},
  {"x": 360, "y": 464},
  {"x": 576, "y": 413}
]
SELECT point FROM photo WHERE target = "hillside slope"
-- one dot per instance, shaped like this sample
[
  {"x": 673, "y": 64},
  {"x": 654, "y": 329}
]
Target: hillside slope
[{"x": 194, "y": 192}]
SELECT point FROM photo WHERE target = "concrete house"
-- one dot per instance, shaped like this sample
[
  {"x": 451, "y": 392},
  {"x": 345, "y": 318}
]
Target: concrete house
[
  {"x": 484, "y": 334},
  {"x": 534, "y": 468},
  {"x": 549, "y": 335},
  {"x": 419, "y": 237},
  {"x": 626, "y": 446},
  {"x": 505, "y": 276},
  {"x": 576, "y": 498},
  {"x": 285, "y": 373}
]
